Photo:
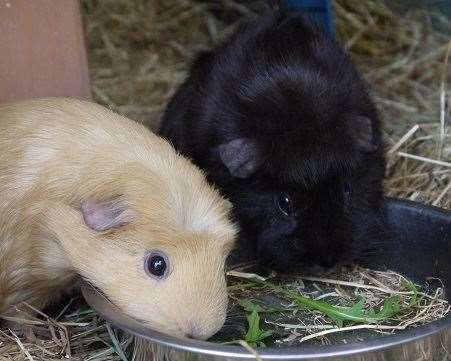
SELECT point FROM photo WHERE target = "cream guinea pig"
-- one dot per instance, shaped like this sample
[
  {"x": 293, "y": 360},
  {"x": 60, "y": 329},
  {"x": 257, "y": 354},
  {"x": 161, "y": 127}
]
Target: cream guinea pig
[{"x": 86, "y": 192}]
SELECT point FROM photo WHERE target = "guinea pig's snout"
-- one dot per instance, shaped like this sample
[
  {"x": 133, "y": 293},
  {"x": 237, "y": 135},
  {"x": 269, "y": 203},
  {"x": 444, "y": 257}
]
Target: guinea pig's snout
[
  {"x": 197, "y": 332},
  {"x": 205, "y": 324}
]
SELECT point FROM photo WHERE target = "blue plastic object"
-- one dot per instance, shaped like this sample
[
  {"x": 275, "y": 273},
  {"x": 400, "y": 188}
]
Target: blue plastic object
[{"x": 319, "y": 11}]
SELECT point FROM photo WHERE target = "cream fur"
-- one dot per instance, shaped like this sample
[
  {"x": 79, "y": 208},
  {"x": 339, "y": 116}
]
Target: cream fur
[{"x": 56, "y": 153}]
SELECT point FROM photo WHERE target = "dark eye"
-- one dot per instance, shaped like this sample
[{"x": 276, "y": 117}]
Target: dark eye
[
  {"x": 284, "y": 203},
  {"x": 347, "y": 189},
  {"x": 157, "y": 265}
]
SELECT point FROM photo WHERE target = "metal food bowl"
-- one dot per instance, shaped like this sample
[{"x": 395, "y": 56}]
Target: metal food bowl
[{"x": 421, "y": 249}]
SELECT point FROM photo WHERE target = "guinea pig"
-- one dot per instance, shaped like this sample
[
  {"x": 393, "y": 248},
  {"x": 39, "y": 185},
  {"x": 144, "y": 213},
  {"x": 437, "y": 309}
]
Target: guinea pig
[
  {"x": 281, "y": 121},
  {"x": 86, "y": 192}
]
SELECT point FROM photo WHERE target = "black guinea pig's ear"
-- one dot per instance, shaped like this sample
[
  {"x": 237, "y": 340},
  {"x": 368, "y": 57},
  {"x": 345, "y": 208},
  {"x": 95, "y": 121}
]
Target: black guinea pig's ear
[
  {"x": 361, "y": 130},
  {"x": 241, "y": 156},
  {"x": 104, "y": 215}
]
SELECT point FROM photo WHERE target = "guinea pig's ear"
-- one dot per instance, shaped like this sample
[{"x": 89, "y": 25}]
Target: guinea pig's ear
[
  {"x": 104, "y": 215},
  {"x": 361, "y": 130},
  {"x": 241, "y": 156}
]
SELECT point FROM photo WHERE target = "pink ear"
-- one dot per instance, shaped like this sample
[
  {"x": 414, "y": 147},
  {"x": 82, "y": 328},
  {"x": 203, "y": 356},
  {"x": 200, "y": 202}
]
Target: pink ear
[
  {"x": 362, "y": 132},
  {"x": 101, "y": 216}
]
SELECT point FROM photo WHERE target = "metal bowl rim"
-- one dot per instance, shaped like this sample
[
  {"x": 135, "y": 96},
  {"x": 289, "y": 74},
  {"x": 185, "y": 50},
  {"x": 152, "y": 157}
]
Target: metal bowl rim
[{"x": 279, "y": 353}]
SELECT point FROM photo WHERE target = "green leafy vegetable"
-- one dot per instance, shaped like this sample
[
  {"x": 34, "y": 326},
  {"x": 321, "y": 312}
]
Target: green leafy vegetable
[
  {"x": 356, "y": 313},
  {"x": 415, "y": 300},
  {"x": 255, "y": 336},
  {"x": 250, "y": 306},
  {"x": 340, "y": 314}
]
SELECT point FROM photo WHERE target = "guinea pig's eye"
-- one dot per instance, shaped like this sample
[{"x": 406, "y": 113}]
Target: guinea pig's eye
[
  {"x": 284, "y": 203},
  {"x": 347, "y": 189},
  {"x": 157, "y": 265}
]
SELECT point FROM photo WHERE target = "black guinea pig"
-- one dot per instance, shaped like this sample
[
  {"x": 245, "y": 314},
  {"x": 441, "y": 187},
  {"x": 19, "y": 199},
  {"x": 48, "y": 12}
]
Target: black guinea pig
[{"x": 282, "y": 123}]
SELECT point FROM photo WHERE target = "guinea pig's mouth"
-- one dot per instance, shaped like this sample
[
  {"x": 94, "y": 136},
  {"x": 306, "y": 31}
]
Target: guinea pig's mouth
[{"x": 98, "y": 291}]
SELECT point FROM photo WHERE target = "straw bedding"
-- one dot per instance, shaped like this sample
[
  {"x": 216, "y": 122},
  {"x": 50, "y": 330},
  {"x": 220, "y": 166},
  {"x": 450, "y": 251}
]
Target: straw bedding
[{"x": 138, "y": 54}]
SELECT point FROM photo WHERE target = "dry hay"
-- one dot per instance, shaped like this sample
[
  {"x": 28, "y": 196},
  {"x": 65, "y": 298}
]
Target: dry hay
[
  {"x": 138, "y": 54},
  {"x": 404, "y": 60},
  {"x": 139, "y": 50}
]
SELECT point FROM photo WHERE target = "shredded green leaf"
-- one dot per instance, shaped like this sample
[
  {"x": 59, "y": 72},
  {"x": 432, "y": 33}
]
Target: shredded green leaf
[
  {"x": 353, "y": 314},
  {"x": 255, "y": 335},
  {"x": 338, "y": 314}
]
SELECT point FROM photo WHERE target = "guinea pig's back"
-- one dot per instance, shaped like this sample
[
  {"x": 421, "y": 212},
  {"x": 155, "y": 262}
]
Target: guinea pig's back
[
  {"x": 55, "y": 144},
  {"x": 66, "y": 149},
  {"x": 60, "y": 123}
]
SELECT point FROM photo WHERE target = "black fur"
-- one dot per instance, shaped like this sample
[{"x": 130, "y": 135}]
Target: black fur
[{"x": 282, "y": 87}]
